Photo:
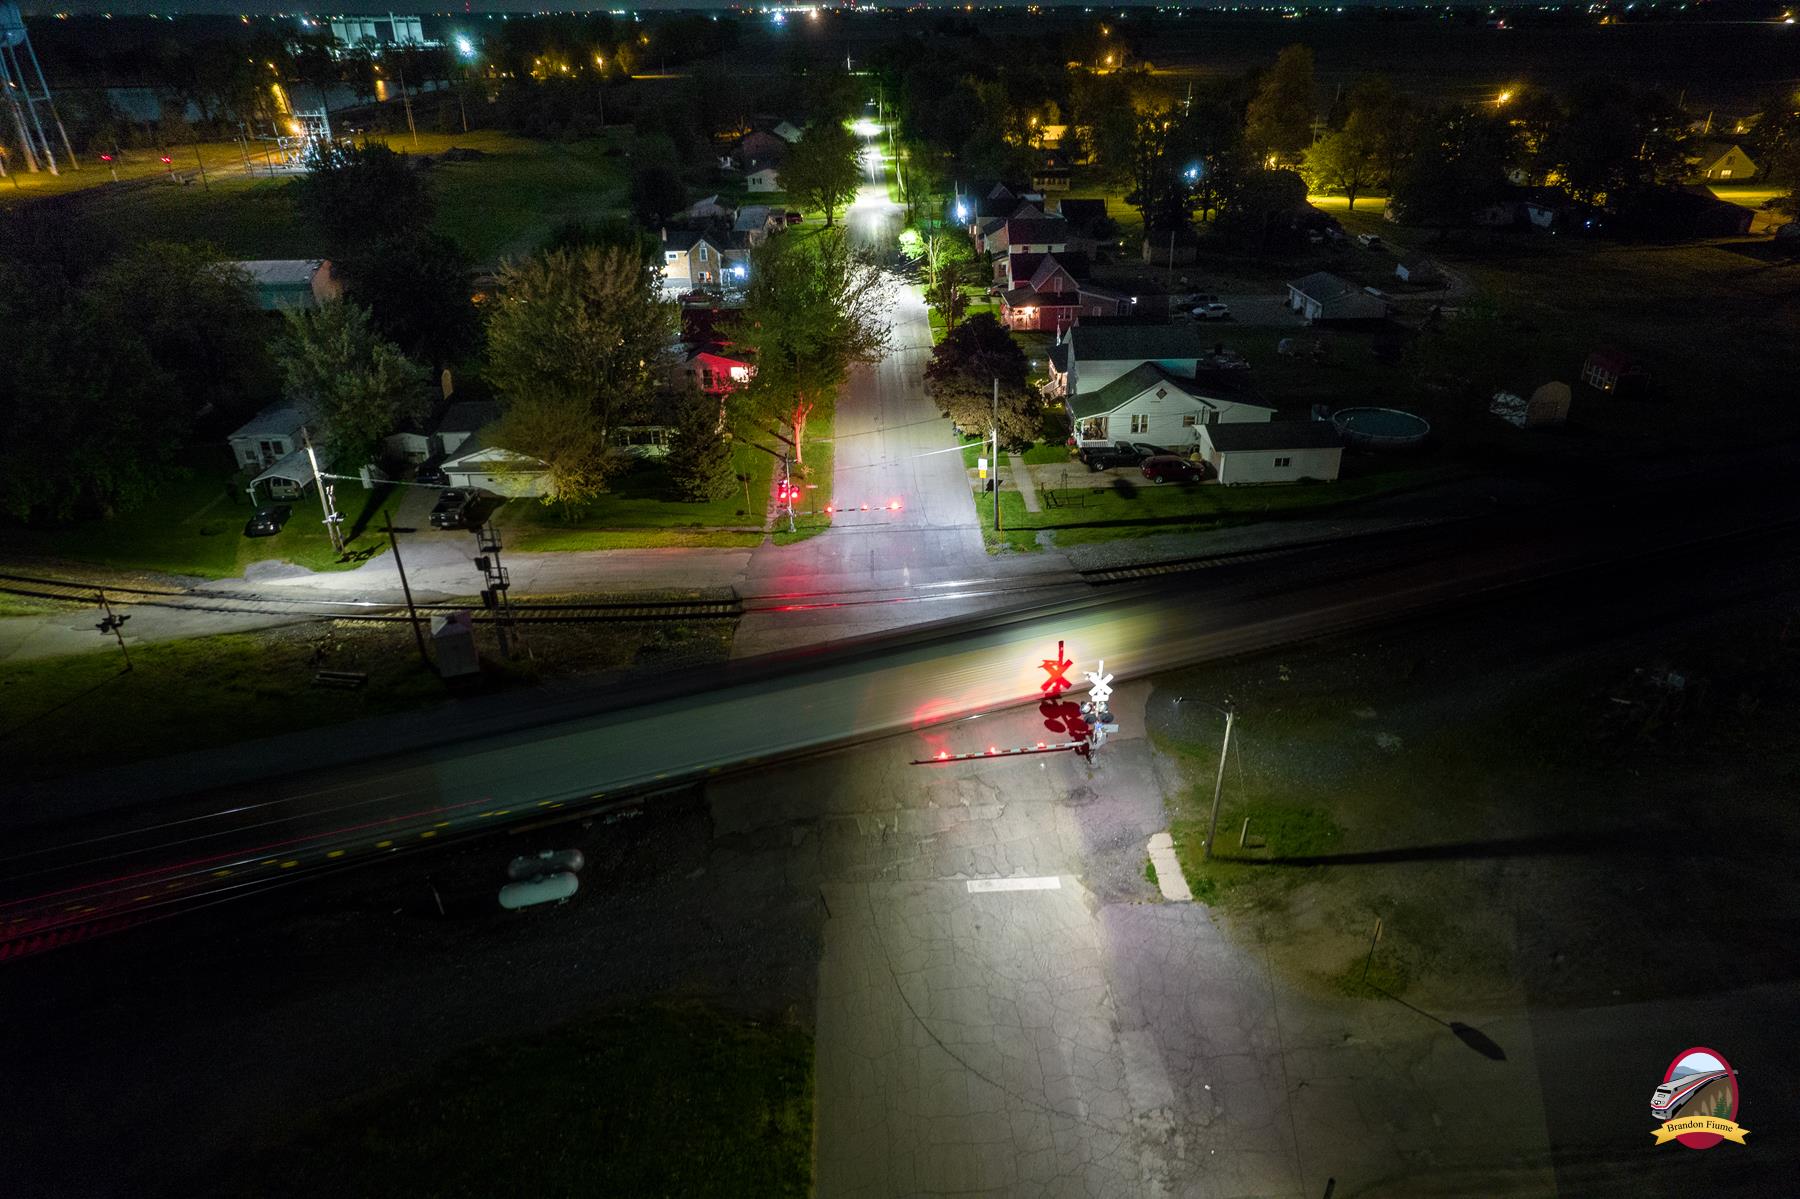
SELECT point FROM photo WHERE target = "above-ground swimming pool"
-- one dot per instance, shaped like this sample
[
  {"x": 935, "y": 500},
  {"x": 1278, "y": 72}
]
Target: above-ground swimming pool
[{"x": 1381, "y": 428}]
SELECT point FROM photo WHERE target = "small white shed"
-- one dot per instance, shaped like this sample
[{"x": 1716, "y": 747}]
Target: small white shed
[{"x": 1284, "y": 451}]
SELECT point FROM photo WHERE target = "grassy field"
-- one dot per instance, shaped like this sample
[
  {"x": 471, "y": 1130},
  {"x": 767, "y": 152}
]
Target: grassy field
[
  {"x": 642, "y": 511},
  {"x": 659, "y": 1100},
  {"x": 500, "y": 204},
  {"x": 195, "y": 526},
  {"x": 220, "y": 160},
  {"x": 1102, "y": 508}
]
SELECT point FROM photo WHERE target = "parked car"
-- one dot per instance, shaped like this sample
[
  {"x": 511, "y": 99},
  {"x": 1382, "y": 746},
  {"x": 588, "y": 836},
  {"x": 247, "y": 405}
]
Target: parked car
[
  {"x": 1195, "y": 297},
  {"x": 452, "y": 510},
  {"x": 793, "y": 218},
  {"x": 1213, "y": 312},
  {"x": 432, "y": 475},
  {"x": 1119, "y": 453},
  {"x": 266, "y": 522},
  {"x": 1370, "y": 241},
  {"x": 1172, "y": 468}
]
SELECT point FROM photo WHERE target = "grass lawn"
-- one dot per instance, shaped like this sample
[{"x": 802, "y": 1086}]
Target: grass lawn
[
  {"x": 643, "y": 511},
  {"x": 133, "y": 165},
  {"x": 233, "y": 687},
  {"x": 658, "y": 1100},
  {"x": 1104, "y": 507},
  {"x": 503, "y": 203},
  {"x": 195, "y": 526}
]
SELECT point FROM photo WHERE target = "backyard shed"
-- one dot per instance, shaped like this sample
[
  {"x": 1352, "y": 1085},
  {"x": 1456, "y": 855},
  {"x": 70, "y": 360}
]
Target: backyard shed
[{"x": 1273, "y": 451}]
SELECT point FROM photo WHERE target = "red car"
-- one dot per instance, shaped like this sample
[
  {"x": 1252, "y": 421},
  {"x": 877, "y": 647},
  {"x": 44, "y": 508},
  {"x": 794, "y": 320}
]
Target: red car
[{"x": 1169, "y": 468}]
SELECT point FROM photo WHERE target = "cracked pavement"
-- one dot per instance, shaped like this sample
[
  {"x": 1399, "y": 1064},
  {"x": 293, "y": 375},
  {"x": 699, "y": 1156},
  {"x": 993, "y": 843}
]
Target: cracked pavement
[{"x": 1083, "y": 1038}]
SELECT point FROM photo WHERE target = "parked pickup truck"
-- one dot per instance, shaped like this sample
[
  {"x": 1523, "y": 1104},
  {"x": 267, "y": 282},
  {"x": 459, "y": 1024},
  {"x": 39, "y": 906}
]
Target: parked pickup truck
[{"x": 1119, "y": 453}]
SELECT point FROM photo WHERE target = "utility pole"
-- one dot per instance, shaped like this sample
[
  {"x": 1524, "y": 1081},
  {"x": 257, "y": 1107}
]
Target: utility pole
[
  {"x": 114, "y": 624},
  {"x": 204, "y": 185},
  {"x": 406, "y": 100},
  {"x": 996, "y": 453},
  {"x": 332, "y": 519},
  {"x": 412, "y": 613},
  {"x": 1212, "y": 828}
]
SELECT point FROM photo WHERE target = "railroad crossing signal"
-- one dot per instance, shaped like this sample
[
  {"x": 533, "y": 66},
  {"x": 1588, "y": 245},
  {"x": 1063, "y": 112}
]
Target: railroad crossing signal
[
  {"x": 1099, "y": 685},
  {"x": 1058, "y": 670}
]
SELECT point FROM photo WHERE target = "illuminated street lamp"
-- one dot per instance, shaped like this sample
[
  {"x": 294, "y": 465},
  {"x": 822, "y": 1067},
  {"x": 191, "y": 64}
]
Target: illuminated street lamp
[{"x": 464, "y": 46}]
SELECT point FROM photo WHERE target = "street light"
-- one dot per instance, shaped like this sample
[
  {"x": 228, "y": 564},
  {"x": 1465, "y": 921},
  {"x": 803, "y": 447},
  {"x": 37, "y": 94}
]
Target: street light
[
  {"x": 464, "y": 46},
  {"x": 1212, "y": 827}
]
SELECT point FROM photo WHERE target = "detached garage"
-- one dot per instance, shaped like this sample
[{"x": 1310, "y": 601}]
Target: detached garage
[
  {"x": 501, "y": 471},
  {"x": 1283, "y": 451},
  {"x": 1322, "y": 296}
]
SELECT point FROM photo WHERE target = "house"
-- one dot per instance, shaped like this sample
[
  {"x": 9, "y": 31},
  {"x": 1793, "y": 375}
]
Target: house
[
  {"x": 1613, "y": 372},
  {"x": 1028, "y": 235},
  {"x": 288, "y": 478},
  {"x": 788, "y": 132},
  {"x": 714, "y": 367},
  {"x": 1089, "y": 226},
  {"x": 1148, "y": 403},
  {"x": 705, "y": 209},
  {"x": 1418, "y": 271},
  {"x": 267, "y": 437},
  {"x": 1277, "y": 451},
  {"x": 762, "y": 179},
  {"x": 1721, "y": 162},
  {"x": 478, "y": 462},
  {"x": 692, "y": 259},
  {"x": 1322, "y": 296},
  {"x": 760, "y": 149},
  {"x": 1091, "y": 356},
  {"x": 1051, "y": 174},
  {"x": 281, "y": 284},
  {"x": 755, "y": 222}
]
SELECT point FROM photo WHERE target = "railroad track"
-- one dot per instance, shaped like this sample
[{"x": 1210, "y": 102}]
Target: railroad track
[{"x": 238, "y": 603}]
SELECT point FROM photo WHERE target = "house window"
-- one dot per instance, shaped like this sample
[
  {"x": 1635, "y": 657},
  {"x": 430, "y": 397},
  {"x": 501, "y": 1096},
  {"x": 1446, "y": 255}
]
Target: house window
[
  {"x": 1140, "y": 422},
  {"x": 1190, "y": 420},
  {"x": 670, "y": 255},
  {"x": 1281, "y": 462},
  {"x": 1724, "y": 172},
  {"x": 703, "y": 253},
  {"x": 707, "y": 379}
]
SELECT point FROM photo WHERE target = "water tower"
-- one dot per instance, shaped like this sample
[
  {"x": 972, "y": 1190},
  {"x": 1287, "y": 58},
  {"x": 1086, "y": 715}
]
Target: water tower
[{"x": 27, "y": 95}]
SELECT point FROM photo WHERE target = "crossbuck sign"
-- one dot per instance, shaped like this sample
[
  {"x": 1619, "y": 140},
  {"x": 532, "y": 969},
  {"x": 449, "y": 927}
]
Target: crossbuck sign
[{"x": 1099, "y": 685}]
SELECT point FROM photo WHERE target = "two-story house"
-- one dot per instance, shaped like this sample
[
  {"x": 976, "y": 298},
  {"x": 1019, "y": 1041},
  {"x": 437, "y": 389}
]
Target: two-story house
[{"x": 692, "y": 259}]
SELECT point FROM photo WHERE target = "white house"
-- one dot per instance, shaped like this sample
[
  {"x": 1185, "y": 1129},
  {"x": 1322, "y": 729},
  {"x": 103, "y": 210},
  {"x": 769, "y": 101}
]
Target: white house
[
  {"x": 1322, "y": 296},
  {"x": 1150, "y": 404},
  {"x": 1091, "y": 356},
  {"x": 1284, "y": 451},
  {"x": 267, "y": 437},
  {"x": 493, "y": 468},
  {"x": 763, "y": 179}
]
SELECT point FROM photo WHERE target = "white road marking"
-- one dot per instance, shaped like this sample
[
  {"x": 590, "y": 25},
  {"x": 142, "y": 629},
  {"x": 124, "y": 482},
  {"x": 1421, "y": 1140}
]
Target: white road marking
[{"x": 1051, "y": 883}]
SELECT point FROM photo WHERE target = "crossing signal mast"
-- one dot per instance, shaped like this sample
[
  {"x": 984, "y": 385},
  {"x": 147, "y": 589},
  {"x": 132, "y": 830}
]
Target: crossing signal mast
[{"x": 27, "y": 94}]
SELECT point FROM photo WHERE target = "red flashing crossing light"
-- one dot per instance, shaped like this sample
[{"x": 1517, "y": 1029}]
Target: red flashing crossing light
[
  {"x": 166, "y": 159},
  {"x": 106, "y": 158},
  {"x": 943, "y": 753},
  {"x": 1058, "y": 670},
  {"x": 893, "y": 505}
]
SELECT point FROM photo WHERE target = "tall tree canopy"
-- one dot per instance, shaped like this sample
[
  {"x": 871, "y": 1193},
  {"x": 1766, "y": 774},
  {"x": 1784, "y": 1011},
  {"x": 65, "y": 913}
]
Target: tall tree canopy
[
  {"x": 1279, "y": 118},
  {"x": 1457, "y": 163},
  {"x": 814, "y": 308},
  {"x": 357, "y": 195},
  {"x": 417, "y": 289},
  {"x": 575, "y": 337},
  {"x": 353, "y": 383},
  {"x": 962, "y": 373},
  {"x": 822, "y": 167}
]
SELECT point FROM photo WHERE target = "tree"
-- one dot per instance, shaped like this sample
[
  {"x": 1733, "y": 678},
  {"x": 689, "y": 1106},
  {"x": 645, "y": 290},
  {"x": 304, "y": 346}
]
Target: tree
[
  {"x": 1457, "y": 163},
  {"x": 960, "y": 378},
  {"x": 1260, "y": 210},
  {"x": 417, "y": 289},
  {"x": 814, "y": 308},
  {"x": 1345, "y": 160},
  {"x": 1279, "y": 119},
  {"x": 947, "y": 271},
  {"x": 194, "y": 315},
  {"x": 357, "y": 195},
  {"x": 1613, "y": 140},
  {"x": 1103, "y": 106},
  {"x": 700, "y": 451},
  {"x": 92, "y": 427},
  {"x": 575, "y": 337},
  {"x": 1160, "y": 189},
  {"x": 657, "y": 194},
  {"x": 352, "y": 383},
  {"x": 822, "y": 169}
]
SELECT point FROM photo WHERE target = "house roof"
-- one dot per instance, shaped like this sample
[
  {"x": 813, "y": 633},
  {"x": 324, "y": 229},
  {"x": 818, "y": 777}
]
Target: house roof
[
  {"x": 751, "y": 217},
  {"x": 1083, "y": 213},
  {"x": 1059, "y": 357},
  {"x": 1323, "y": 285},
  {"x": 1031, "y": 297},
  {"x": 293, "y": 465},
  {"x": 1112, "y": 343},
  {"x": 281, "y": 420},
  {"x": 1709, "y": 153},
  {"x": 1229, "y": 436},
  {"x": 482, "y": 446},
  {"x": 1023, "y": 231},
  {"x": 280, "y": 272},
  {"x": 763, "y": 170},
  {"x": 686, "y": 239},
  {"x": 466, "y": 416},
  {"x": 1022, "y": 268},
  {"x": 1130, "y": 385},
  {"x": 723, "y": 351}
]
